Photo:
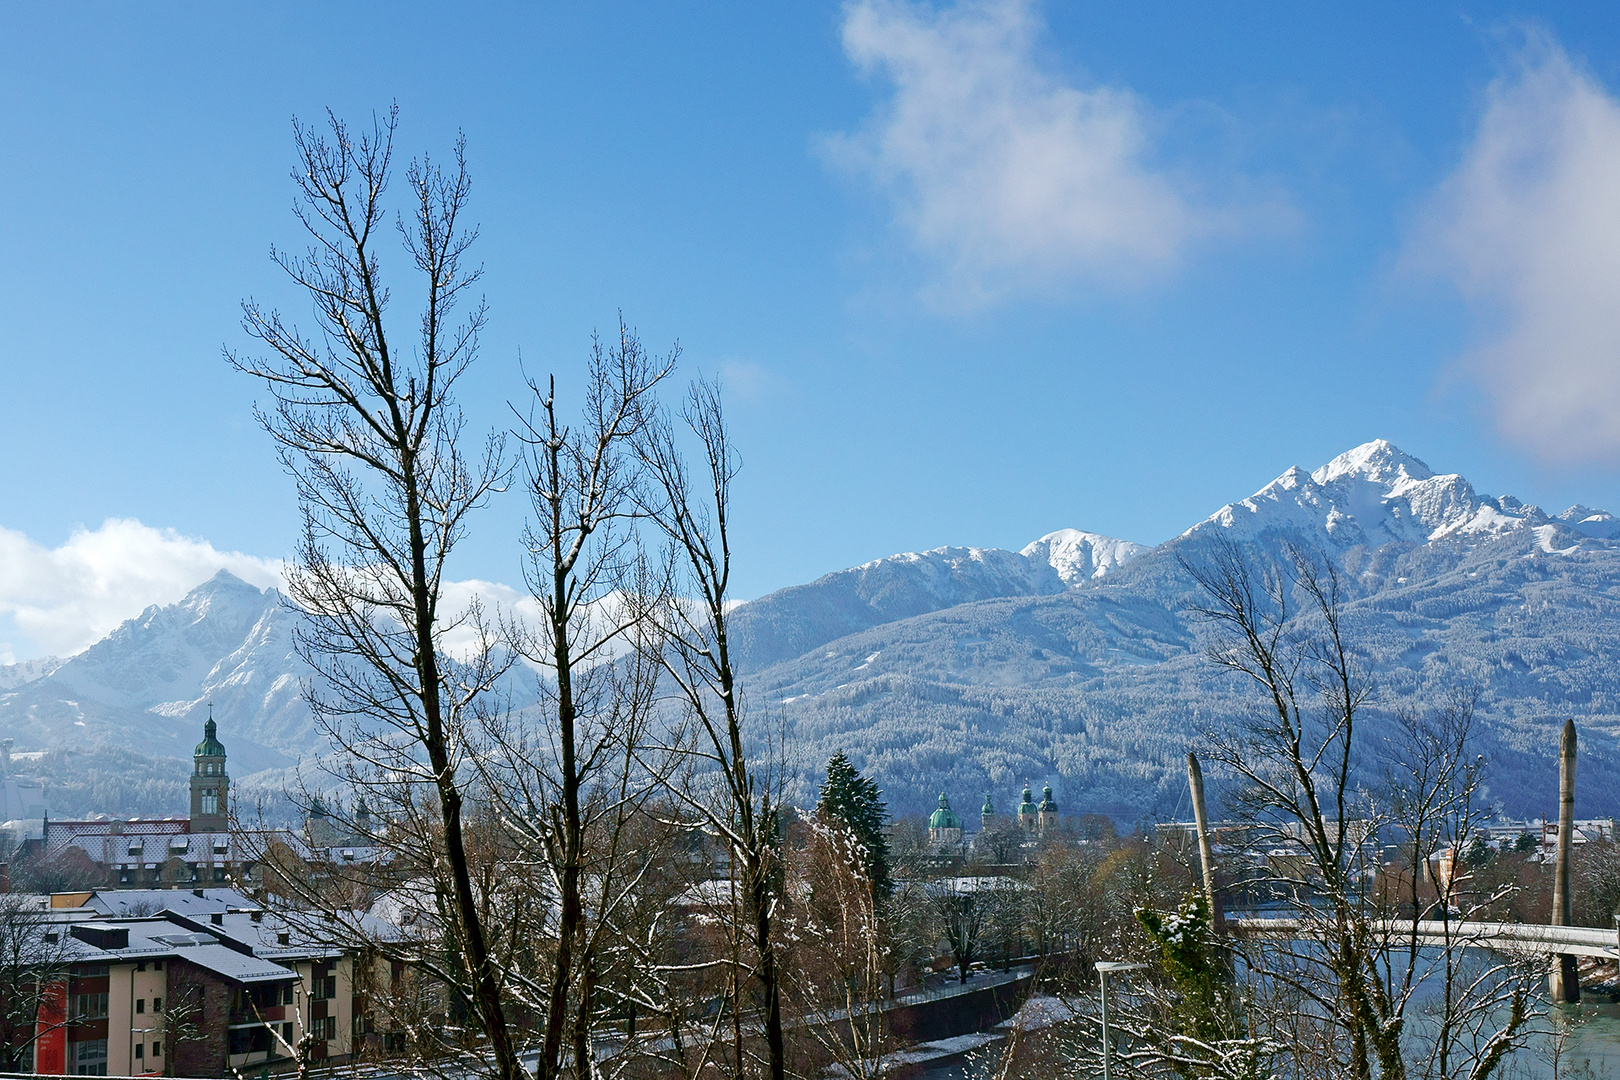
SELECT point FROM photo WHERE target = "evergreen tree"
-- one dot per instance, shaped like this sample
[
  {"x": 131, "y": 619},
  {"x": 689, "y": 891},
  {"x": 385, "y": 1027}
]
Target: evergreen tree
[{"x": 854, "y": 801}]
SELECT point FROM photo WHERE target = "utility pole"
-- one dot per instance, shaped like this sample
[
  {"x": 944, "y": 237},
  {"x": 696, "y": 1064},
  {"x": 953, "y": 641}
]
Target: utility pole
[
  {"x": 1206, "y": 850},
  {"x": 1563, "y": 982}
]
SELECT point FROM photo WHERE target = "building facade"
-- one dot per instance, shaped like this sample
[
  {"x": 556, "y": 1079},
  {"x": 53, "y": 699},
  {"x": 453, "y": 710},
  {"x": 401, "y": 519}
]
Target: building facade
[{"x": 223, "y": 989}]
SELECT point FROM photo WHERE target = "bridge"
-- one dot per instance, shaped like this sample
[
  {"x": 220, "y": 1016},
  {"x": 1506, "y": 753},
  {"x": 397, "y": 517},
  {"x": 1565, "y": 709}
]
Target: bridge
[{"x": 1502, "y": 936}]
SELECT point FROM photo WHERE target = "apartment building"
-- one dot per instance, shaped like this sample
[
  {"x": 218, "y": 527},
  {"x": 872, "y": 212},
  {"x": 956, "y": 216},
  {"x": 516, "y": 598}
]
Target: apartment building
[{"x": 222, "y": 988}]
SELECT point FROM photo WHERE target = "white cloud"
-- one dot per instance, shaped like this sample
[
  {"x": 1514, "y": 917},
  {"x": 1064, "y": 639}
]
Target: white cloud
[
  {"x": 1001, "y": 170},
  {"x": 65, "y": 599},
  {"x": 62, "y": 600},
  {"x": 1528, "y": 227},
  {"x": 499, "y": 602}
]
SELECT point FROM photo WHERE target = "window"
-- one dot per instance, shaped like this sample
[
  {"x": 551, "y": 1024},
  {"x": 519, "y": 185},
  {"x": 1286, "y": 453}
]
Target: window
[
  {"x": 90, "y": 1007},
  {"x": 324, "y": 1027},
  {"x": 157, "y": 1049},
  {"x": 140, "y": 1051},
  {"x": 157, "y": 965},
  {"x": 157, "y": 1004},
  {"x": 287, "y": 1034},
  {"x": 323, "y": 988},
  {"x": 210, "y": 801},
  {"x": 287, "y": 994},
  {"x": 140, "y": 1007},
  {"x": 219, "y": 873},
  {"x": 90, "y": 1057}
]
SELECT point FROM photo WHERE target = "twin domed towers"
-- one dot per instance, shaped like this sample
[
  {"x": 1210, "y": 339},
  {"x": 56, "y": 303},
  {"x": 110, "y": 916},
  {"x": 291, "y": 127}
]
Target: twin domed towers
[{"x": 1031, "y": 818}]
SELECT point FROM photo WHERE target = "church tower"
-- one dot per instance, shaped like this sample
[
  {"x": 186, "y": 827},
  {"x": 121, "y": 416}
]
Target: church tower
[
  {"x": 210, "y": 787},
  {"x": 1048, "y": 812},
  {"x": 1027, "y": 811}
]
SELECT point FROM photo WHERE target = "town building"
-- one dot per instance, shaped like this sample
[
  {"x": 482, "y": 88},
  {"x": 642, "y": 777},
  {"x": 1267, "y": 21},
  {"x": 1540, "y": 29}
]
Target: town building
[
  {"x": 944, "y": 826},
  {"x": 202, "y": 849},
  {"x": 1046, "y": 815},
  {"x": 206, "y": 984}
]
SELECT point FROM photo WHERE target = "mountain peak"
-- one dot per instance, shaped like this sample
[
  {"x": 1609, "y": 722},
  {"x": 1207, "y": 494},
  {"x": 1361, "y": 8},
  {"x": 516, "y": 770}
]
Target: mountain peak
[
  {"x": 1380, "y": 461},
  {"x": 223, "y": 579},
  {"x": 1080, "y": 556}
]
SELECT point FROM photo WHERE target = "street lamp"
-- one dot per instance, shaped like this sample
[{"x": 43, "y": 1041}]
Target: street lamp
[{"x": 1104, "y": 967}]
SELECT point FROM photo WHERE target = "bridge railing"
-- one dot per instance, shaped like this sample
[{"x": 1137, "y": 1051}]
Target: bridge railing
[{"x": 1515, "y": 937}]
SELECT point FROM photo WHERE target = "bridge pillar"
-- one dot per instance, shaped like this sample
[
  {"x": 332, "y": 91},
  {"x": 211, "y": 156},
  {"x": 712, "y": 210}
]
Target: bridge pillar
[{"x": 1563, "y": 982}]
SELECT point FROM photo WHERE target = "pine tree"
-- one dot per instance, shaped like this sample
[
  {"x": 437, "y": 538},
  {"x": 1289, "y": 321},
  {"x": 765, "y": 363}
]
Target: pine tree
[{"x": 855, "y": 802}]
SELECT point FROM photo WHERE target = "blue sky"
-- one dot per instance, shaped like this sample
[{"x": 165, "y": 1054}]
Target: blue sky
[{"x": 971, "y": 272}]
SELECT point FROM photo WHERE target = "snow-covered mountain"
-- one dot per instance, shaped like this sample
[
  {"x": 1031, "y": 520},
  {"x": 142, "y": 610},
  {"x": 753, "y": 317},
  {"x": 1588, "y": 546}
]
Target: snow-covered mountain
[
  {"x": 12, "y": 675},
  {"x": 790, "y": 621},
  {"x": 1073, "y": 660},
  {"x": 1078, "y": 557},
  {"x": 1375, "y": 495},
  {"x": 1100, "y": 687},
  {"x": 149, "y": 684}
]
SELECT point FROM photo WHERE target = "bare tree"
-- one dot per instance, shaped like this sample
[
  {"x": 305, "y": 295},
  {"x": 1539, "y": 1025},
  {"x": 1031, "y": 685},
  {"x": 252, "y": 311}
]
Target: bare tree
[
  {"x": 839, "y": 957},
  {"x": 583, "y": 780},
  {"x": 962, "y": 917},
  {"x": 737, "y": 805},
  {"x": 1296, "y": 756},
  {"x": 1433, "y": 794},
  {"x": 1283, "y": 627},
  {"x": 373, "y": 437},
  {"x": 182, "y": 1023}
]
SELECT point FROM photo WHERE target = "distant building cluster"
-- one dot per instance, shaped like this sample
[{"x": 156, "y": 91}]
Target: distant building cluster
[
  {"x": 947, "y": 835},
  {"x": 1281, "y": 850},
  {"x": 172, "y": 852}
]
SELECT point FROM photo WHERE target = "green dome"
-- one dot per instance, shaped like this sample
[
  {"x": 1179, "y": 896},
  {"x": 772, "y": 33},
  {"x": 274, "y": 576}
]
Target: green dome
[
  {"x": 1027, "y": 807},
  {"x": 1048, "y": 805},
  {"x": 210, "y": 746},
  {"x": 989, "y": 807},
  {"x": 944, "y": 817}
]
